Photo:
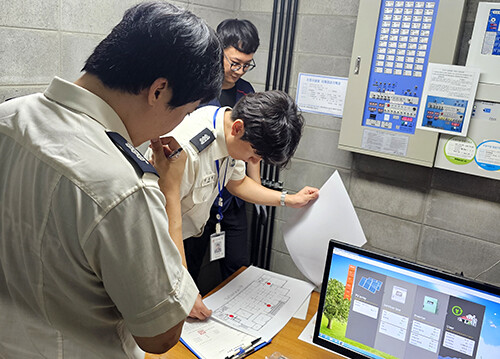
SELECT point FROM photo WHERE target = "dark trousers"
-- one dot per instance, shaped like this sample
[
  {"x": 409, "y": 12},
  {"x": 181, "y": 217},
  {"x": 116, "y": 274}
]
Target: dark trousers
[{"x": 234, "y": 224}]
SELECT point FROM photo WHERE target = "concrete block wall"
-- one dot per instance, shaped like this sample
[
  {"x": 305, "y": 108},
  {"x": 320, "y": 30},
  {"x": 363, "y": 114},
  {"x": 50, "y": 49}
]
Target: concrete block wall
[
  {"x": 435, "y": 217},
  {"x": 43, "y": 39}
]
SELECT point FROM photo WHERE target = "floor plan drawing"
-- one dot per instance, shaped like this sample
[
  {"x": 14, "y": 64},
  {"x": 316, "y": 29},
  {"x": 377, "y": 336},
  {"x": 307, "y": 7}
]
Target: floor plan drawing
[
  {"x": 255, "y": 305},
  {"x": 258, "y": 302}
]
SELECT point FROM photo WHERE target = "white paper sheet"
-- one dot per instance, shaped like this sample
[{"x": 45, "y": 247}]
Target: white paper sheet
[
  {"x": 258, "y": 302},
  {"x": 308, "y": 232},
  {"x": 307, "y": 334},
  {"x": 301, "y": 313}
]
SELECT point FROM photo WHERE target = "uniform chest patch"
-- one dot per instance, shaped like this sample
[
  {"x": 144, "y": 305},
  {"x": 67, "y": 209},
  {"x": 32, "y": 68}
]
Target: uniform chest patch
[
  {"x": 203, "y": 139},
  {"x": 208, "y": 179}
]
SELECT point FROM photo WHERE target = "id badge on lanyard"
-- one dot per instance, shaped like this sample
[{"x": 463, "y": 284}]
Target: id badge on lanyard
[
  {"x": 217, "y": 245},
  {"x": 217, "y": 239}
]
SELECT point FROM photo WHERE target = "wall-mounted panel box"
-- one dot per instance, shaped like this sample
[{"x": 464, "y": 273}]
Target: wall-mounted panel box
[{"x": 394, "y": 42}]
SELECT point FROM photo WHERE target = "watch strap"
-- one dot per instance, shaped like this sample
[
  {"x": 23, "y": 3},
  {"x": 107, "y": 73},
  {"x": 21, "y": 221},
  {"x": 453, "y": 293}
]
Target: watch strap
[{"x": 282, "y": 198}]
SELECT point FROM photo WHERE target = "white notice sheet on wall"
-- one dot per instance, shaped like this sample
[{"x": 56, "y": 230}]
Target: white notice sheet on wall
[
  {"x": 448, "y": 99},
  {"x": 321, "y": 94}
]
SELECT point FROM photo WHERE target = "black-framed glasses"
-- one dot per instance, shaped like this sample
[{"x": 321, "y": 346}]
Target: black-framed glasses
[{"x": 235, "y": 66}]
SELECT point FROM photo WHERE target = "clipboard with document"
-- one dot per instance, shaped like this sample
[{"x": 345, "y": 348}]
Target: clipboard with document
[{"x": 211, "y": 339}]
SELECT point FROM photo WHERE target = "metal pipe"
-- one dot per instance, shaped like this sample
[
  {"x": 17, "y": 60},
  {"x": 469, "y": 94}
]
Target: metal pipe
[
  {"x": 277, "y": 62},
  {"x": 285, "y": 45},
  {"x": 292, "y": 42},
  {"x": 271, "y": 44}
]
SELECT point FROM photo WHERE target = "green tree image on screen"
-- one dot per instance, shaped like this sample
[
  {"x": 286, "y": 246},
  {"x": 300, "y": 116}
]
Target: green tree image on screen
[
  {"x": 335, "y": 316},
  {"x": 336, "y": 306}
]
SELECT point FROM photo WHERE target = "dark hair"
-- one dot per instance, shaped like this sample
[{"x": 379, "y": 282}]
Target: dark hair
[
  {"x": 273, "y": 125},
  {"x": 157, "y": 39},
  {"x": 240, "y": 34}
]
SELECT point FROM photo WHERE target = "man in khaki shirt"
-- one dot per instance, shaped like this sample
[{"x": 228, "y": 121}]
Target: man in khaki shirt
[{"x": 88, "y": 268}]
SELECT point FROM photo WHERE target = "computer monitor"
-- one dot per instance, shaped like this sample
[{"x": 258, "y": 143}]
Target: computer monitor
[{"x": 376, "y": 306}]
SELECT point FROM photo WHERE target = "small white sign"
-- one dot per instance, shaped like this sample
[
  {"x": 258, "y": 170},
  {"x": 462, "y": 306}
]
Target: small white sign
[{"x": 321, "y": 94}]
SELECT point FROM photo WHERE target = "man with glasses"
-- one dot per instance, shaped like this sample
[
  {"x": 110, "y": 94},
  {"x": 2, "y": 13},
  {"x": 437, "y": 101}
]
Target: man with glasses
[{"x": 240, "y": 40}]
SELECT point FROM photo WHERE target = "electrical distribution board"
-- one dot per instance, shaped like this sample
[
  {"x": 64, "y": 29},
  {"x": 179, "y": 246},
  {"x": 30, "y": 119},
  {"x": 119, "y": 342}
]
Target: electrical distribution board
[
  {"x": 479, "y": 152},
  {"x": 394, "y": 42}
]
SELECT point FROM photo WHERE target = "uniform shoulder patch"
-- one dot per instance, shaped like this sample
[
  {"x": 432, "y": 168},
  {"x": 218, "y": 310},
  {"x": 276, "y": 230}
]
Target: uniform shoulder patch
[
  {"x": 131, "y": 153},
  {"x": 203, "y": 139}
]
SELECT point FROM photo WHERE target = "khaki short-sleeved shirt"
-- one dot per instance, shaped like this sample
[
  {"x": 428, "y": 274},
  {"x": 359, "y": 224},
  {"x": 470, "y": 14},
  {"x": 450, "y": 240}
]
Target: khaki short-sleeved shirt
[
  {"x": 85, "y": 255},
  {"x": 200, "y": 181}
]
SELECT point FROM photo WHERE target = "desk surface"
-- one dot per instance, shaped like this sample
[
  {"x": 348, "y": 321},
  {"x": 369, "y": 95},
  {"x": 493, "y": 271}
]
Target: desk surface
[{"x": 286, "y": 341}]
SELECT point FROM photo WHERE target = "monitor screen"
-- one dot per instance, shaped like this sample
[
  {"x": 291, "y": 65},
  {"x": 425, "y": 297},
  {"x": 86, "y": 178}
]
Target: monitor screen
[{"x": 375, "y": 306}]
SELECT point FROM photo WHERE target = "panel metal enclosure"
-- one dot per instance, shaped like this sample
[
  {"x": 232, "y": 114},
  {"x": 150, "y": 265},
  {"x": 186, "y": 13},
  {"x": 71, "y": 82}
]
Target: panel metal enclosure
[
  {"x": 394, "y": 41},
  {"x": 484, "y": 50},
  {"x": 479, "y": 153}
]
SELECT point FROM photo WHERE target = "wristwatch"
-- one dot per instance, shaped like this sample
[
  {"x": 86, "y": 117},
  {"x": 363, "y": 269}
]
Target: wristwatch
[{"x": 282, "y": 199}]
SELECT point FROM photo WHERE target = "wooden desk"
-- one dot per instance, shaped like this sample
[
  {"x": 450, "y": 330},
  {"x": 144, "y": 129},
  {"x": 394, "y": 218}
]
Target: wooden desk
[{"x": 286, "y": 341}]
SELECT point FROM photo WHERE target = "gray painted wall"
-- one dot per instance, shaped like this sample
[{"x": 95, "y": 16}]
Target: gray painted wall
[{"x": 435, "y": 217}]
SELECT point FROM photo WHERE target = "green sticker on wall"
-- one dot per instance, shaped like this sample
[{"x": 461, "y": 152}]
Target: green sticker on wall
[{"x": 460, "y": 150}]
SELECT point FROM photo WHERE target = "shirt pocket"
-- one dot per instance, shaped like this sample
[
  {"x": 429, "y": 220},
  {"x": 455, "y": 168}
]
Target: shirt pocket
[{"x": 204, "y": 188}]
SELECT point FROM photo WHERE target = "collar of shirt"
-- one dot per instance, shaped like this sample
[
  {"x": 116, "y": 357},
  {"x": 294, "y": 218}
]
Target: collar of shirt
[
  {"x": 83, "y": 101},
  {"x": 220, "y": 151}
]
